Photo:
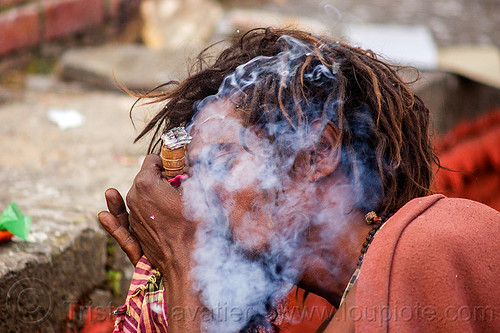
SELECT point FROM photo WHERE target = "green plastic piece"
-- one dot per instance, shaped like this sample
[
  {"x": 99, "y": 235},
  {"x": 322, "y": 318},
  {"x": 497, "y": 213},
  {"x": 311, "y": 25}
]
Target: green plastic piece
[{"x": 13, "y": 220}]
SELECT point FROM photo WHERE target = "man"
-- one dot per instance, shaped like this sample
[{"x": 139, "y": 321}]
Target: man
[{"x": 303, "y": 148}]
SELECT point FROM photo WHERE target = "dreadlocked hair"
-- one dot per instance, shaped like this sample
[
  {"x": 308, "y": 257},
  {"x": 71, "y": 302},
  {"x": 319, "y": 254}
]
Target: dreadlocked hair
[{"x": 383, "y": 126}]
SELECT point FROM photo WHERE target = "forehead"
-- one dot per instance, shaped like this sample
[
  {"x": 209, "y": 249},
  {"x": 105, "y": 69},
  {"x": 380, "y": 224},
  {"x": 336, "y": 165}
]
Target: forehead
[
  {"x": 215, "y": 110},
  {"x": 216, "y": 123}
]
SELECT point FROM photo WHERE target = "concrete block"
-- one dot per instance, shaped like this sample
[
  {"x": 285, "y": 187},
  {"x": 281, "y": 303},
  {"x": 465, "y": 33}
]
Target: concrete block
[
  {"x": 39, "y": 281},
  {"x": 176, "y": 24},
  {"x": 59, "y": 178},
  {"x": 136, "y": 67}
]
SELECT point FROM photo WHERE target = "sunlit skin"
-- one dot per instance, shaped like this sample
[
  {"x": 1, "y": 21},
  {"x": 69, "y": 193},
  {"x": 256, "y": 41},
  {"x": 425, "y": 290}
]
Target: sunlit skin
[
  {"x": 168, "y": 244},
  {"x": 216, "y": 132}
]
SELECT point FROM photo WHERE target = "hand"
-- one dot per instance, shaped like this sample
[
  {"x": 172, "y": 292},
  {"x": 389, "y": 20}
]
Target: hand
[
  {"x": 157, "y": 221},
  {"x": 166, "y": 239},
  {"x": 115, "y": 222}
]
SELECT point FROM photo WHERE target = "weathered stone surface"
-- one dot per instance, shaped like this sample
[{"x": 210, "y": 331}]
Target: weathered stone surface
[
  {"x": 58, "y": 178},
  {"x": 451, "y": 98},
  {"x": 137, "y": 67},
  {"x": 40, "y": 280},
  {"x": 101, "y": 298},
  {"x": 451, "y": 21},
  {"x": 7, "y": 95},
  {"x": 240, "y": 19}
]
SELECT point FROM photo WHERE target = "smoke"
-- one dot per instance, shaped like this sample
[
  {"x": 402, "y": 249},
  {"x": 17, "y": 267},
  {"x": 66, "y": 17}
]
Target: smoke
[
  {"x": 252, "y": 234},
  {"x": 231, "y": 279}
]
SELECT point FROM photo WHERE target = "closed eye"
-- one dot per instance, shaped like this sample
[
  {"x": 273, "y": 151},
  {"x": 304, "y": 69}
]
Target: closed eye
[
  {"x": 218, "y": 158},
  {"x": 222, "y": 164}
]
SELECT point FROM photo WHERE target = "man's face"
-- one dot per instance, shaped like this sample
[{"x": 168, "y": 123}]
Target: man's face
[
  {"x": 232, "y": 165},
  {"x": 251, "y": 224},
  {"x": 253, "y": 210}
]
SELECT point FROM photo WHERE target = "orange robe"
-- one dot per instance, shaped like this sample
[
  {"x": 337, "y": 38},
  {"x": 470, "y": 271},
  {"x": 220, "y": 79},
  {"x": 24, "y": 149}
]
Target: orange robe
[{"x": 433, "y": 267}]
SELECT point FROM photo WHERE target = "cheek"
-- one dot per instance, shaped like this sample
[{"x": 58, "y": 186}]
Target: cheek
[
  {"x": 296, "y": 206},
  {"x": 244, "y": 193},
  {"x": 249, "y": 218}
]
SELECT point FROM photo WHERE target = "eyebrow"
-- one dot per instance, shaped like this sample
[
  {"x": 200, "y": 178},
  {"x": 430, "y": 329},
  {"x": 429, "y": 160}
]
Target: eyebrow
[{"x": 212, "y": 148}]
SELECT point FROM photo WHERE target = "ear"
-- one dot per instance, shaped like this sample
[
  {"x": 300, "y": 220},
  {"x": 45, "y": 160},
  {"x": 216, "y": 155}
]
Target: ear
[{"x": 322, "y": 157}]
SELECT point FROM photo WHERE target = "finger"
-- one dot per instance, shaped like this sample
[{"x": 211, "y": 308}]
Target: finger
[
  {"x": 116, "y": 206},
  {"x": 149, "y": 243},
  {"x": 152, "y": 165},
  {"x": 123, "y": 237},
  {"x": 138, "y": 228}
]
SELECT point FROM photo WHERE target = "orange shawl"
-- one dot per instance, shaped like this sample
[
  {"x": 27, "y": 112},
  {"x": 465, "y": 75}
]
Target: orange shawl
[{"x": 434, "y": 267}]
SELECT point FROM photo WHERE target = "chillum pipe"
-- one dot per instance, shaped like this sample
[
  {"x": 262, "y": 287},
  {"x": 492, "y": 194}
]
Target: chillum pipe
[
  {"x": 173, "y": 151},
  {"x": 173, "y": 161}
]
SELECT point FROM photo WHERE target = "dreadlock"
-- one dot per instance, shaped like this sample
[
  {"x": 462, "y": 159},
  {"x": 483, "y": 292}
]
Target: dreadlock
[{"x": 373, "y": 106}]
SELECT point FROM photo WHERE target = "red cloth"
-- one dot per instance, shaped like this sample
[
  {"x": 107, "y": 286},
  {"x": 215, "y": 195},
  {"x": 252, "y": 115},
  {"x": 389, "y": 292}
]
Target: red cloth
[
  {"x": 301, "y": 316},
  {"x": 145, "y": 310},
  {"x": 434, "y": 267},
  {"x": 473, "y": 149}
]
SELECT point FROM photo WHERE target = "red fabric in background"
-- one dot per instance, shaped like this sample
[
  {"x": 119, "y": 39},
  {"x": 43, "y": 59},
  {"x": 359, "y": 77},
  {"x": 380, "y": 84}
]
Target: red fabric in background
[
  {"x": 304, "y": 316},
  {"x": 89, "y": 319},
  {"x": 473, "y": 150}
]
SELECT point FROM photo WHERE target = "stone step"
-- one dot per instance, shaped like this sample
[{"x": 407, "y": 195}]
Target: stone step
[
  {"x": 58, "y": 177},
  {"x": 134, "y": 66}
]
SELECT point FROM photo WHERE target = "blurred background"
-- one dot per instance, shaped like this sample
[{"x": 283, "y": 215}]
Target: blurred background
[{"x": 66, "y": 134}]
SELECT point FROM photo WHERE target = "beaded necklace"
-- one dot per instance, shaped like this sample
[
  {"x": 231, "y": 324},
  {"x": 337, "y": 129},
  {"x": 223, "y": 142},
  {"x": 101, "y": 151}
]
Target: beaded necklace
[{"x": 372, "y": 219}]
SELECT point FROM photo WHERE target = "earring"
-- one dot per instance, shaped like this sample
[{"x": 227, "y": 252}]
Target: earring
[{"x": 371, "y": 218}]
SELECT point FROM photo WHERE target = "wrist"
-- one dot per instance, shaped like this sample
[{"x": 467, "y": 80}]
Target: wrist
[
  {"x": 177, "y": 277},
  {"x": 186, "y": 312},
  {"x": 178, "y": 264}
]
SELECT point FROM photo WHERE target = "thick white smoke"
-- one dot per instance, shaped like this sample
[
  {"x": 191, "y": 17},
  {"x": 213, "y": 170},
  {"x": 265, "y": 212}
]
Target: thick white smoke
[{"x": 241, "y": 273}]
